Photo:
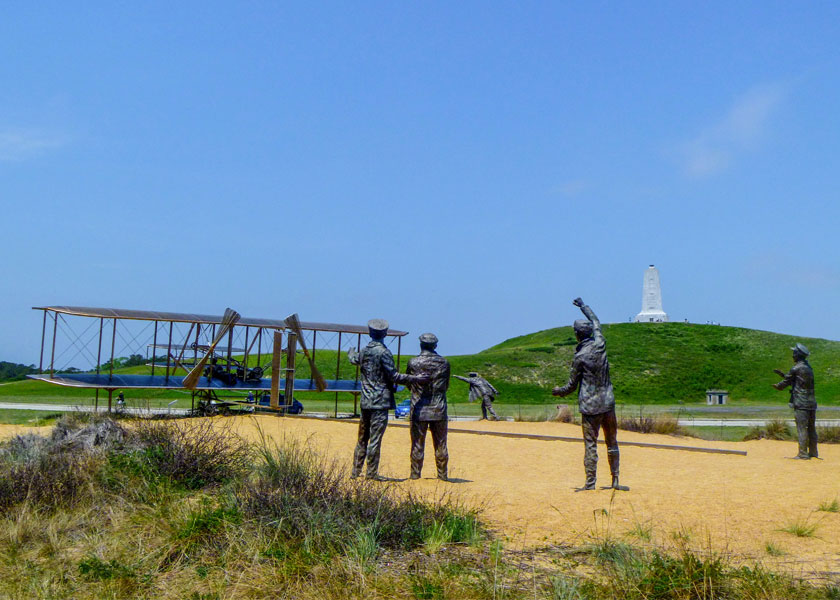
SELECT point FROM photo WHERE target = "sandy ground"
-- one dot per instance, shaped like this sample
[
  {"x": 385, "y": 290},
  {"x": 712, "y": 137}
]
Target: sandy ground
[{"x": 729, "y": 504}]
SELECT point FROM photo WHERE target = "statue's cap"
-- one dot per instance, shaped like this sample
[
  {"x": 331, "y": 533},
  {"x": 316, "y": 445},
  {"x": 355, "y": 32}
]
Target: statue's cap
[
  {"x": 428, "y": 338},
  {"x": 473, "y": 374},
  {"x": 802, "y": 349},
  {"x": 379, "y": 326}
]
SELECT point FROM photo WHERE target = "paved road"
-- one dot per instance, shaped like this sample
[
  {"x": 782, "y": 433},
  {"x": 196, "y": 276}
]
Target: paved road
[
  {"x": 746, "y": 422},
  {"x": 91, "y": 408},
  {"x": 184, "y": 411}
]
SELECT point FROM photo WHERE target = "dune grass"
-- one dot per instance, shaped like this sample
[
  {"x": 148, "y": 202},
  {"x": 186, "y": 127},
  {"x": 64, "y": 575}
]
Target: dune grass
[{"x": 185, "y": 509}]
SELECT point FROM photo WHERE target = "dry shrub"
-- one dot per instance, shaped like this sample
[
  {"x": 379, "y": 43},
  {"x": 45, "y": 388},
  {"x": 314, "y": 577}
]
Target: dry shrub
[
  {"x": 56, "y": 470},
  {"x": 777, "y": 429},
  {"x": 663, "y": 424},
  {"x": 82, "y": 453},
  {"x": 310, "y": 500},
  {"x": 48, "y": 479},
  {"x": 194, "y": 453},
  {"x": 828, "y": 434},
  {"x": 564, "y": 414}
]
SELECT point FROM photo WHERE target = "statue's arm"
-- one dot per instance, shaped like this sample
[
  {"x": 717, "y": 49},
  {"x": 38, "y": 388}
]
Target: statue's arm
[
  {"x": 353, "y": 356},
  {"x": 394, "y": 376},
  {"x": 462, "y": 378},
  {"x": 574, "y": 380},
  {"x": 786, "y": 381},
  {"x": 590, "y": 314}
]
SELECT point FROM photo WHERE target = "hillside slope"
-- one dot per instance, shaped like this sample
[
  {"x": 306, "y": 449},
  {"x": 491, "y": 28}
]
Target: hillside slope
[{"x": 657, "y": 363}]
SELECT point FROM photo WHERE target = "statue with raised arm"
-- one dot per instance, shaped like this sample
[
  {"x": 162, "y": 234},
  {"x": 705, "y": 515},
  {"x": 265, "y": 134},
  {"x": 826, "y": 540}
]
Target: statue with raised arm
[
  {"x": 590, "y": 375},
  {"x": 428, "y": 406},
  {"x": 800, "y": 378},
  {"x": 481, "y": 389},
  {"x": 379, "y": 378}
]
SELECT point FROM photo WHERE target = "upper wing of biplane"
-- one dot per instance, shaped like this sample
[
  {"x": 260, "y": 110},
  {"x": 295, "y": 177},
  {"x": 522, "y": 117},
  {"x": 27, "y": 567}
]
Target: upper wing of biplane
[{"x": 207, "y": 350}]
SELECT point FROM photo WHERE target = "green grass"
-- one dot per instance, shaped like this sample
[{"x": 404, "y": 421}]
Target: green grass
[
  {"x": 659, "y": 363},
  {"x": 641, "y": 531},
  {"x": 31, "y": 418},
  {"x": 833, "y": 506},
  {"x": 719, "y": 434},
  {"x": 801, "y": 527}
]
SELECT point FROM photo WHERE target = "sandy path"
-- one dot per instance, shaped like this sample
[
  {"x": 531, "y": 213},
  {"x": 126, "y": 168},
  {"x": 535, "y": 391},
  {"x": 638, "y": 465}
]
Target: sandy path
[
  {"x": 7, "y": 431},
  {"x": 730, "y": 503},
  {"x": 733, "y": 503}
]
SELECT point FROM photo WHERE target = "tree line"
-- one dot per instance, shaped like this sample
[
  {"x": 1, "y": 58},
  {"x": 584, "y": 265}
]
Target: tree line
[{"x": 15, "y": 372}]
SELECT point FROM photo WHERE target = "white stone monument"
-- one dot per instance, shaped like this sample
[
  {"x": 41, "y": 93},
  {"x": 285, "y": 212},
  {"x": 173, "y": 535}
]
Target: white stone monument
[{"x": 651, "y": 299}]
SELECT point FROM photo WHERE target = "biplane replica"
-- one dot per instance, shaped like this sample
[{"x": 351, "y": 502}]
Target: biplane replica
[{"x": 217, "y": 359}]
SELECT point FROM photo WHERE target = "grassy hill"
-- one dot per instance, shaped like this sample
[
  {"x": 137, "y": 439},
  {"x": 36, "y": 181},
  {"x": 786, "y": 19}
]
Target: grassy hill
[
  {"x": 658, "y": 363},
  {"x": 651, "y": 363}
]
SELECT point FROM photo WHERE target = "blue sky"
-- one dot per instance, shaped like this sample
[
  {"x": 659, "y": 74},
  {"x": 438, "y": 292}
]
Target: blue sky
[{"x": 464, "y": 168}]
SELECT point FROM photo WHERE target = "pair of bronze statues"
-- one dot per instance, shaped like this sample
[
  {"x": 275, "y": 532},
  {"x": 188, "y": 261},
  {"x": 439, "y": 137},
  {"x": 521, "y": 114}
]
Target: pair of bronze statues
[{"x": 427, "y": 377}]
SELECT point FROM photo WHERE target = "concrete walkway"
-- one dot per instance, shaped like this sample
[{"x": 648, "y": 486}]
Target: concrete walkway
[
  {"x": 747, "y": 422},
  {"x": 103, "y": 407}
]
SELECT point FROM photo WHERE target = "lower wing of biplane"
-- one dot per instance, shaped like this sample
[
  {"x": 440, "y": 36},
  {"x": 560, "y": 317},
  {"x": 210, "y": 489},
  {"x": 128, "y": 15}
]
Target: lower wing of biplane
[{"x": 176, "y": 382}]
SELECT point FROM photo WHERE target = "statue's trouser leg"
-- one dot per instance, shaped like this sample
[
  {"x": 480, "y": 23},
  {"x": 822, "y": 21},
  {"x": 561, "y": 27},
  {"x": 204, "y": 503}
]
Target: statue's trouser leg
[
  {"x": 590, "y": 424},
  {"x": 487, "y": 407},
  {"x": 803, "y": 418},
  {"x": 610, "y": 425},
  {"x": 440, "y": 431},
  {"x": 418, "y": 445},
  {"x": 362, "y": 444},
  {"x": 378, "y": 423},
  {"x": 812, "y": 434}
]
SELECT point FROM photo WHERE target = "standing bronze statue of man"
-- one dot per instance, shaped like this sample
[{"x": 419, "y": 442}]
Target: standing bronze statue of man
[
  {"x": 591, "y": 372},
  {"x": 428, "y": 406},
  {"x": 379, "y": 378},
  {"x": 481, "y": 389},
  {"x": 800, "y": 378}
]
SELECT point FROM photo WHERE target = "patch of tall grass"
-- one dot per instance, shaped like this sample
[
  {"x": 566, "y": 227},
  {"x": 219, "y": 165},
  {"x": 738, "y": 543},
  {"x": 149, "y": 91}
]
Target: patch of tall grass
[
  {"x": 156, "y": 514},
  {"x": 777, "y": 429},
  {"x": 310, "y": 498},
  {"x": 662, "y": 424},
  {"x": 636, "y": 574},
  {"x": 828, "y": 434}
]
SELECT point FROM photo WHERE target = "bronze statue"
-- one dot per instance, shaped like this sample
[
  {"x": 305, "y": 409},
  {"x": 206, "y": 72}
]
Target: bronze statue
[
  {"x": 800, "y": 378},
  {"x": 379, "y": 378},
  {"x": 591, "y": 373},
  {"x": 481, "y": 389},
  {"x": 428, "y": 406}
]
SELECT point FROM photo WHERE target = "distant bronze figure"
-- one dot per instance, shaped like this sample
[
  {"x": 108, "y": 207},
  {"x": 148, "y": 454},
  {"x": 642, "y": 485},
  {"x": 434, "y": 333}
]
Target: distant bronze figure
[
  {"x": 428, "y": 406},
  {"x": 591, "y": 372},
  {"x": 481, "y": 389},
  {"x": 800, "y": 378},
  {"x": 379, "y": 378}
]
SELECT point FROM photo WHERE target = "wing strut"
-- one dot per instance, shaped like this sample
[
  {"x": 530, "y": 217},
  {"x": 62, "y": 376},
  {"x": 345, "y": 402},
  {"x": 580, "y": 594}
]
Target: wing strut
[
  {"x": 294, "y": 324},
  {"x": 228, "y": 321}
]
